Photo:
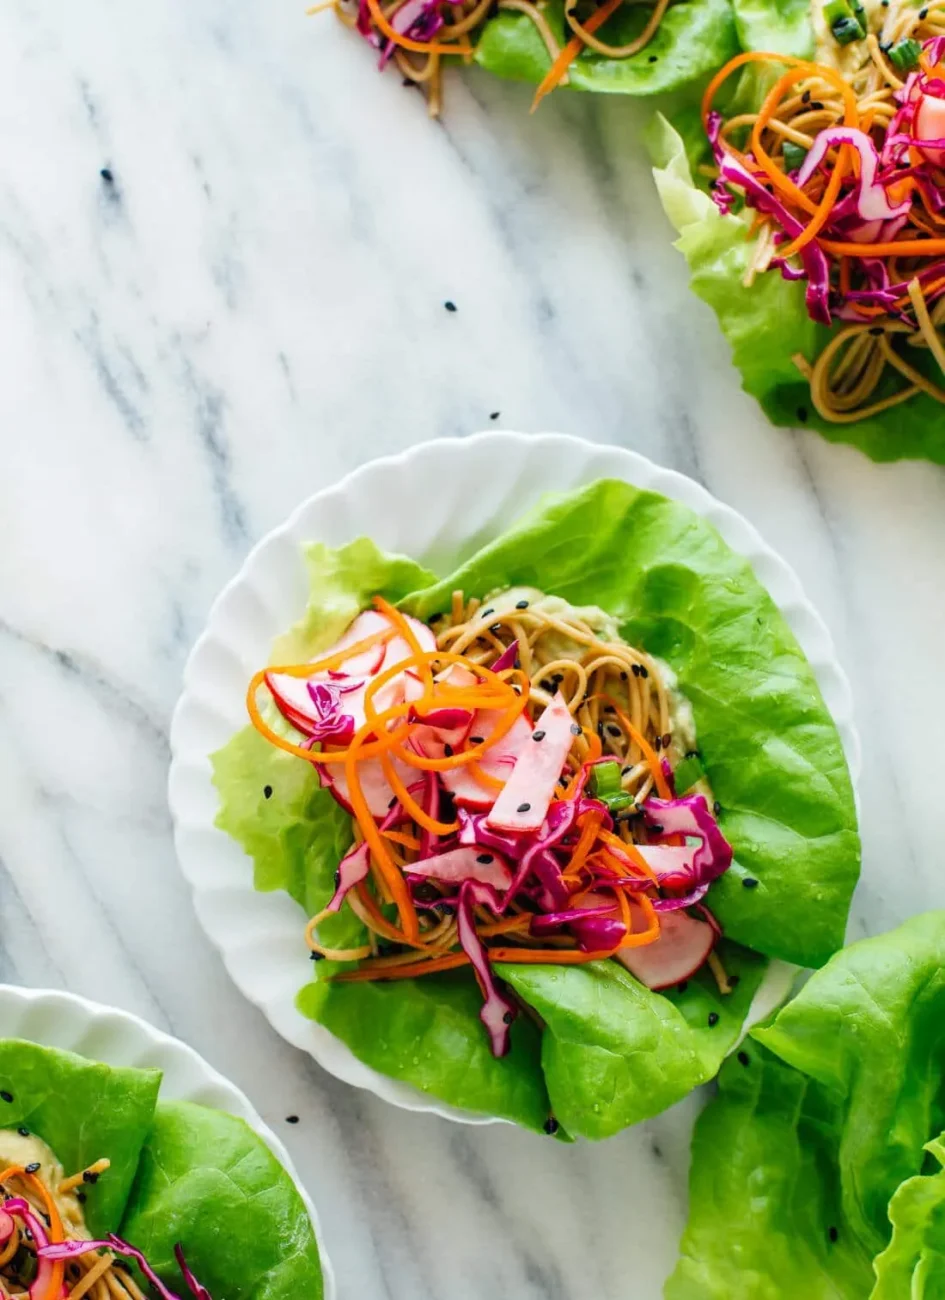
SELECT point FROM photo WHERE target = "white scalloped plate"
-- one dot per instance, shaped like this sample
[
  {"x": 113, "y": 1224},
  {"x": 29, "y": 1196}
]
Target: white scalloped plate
[
  {"x": 437, "y": 503},
  {"x": 100, "y": 1033}
]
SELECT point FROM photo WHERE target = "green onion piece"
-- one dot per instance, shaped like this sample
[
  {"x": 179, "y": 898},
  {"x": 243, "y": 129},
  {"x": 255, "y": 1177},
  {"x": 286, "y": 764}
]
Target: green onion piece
[
  {"x": 605, "y": 785},
  {"x": 689, "y": 771},
  {"x": 904, "y": 55},
  {"x": 846, "y": 20},
  {"x": 793, "y": 154}
]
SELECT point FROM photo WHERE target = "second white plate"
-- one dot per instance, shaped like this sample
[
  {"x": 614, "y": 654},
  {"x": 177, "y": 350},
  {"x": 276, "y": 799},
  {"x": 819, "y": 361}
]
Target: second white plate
[{"x": 436, "y": 503}]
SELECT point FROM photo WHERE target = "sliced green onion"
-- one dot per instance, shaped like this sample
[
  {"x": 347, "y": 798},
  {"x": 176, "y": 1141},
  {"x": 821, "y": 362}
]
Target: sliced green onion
[
  {"x": 846, "y": 20},
  {"x": 794, "y": 155},
  {"x": 904, "y": 55},
  {"x": 605, "y": 785}
]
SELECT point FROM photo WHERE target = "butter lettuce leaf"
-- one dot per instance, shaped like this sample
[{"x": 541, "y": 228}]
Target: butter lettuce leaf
[
  {"x": 816, "y": 1172},
  {"x": 208, "y": 1182},
  {"x": 694, "y": 39},
  {"x": 84, "y": 1111}
]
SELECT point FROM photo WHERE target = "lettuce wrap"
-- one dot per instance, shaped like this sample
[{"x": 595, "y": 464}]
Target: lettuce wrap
[
  {"x": 817, "y": 1171},
  {"x": 603, "y": 1051},
  {"x": 766, "y": 322},
  {"x": 178, "y": 1174}
]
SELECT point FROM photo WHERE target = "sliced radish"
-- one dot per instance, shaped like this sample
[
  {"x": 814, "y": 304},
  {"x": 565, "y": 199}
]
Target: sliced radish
[
  {"x": 682, "y": 948},
  {"x": 498, "y": 761},
  {"x": 465, "y": 864},
  {"x": 374, "y": 785},
  {"x": 672, "y": 864},
  {"x": 367, "y": 662},
  {"x": 459, "y": 676},
  {"x": 522, "y": 805}
]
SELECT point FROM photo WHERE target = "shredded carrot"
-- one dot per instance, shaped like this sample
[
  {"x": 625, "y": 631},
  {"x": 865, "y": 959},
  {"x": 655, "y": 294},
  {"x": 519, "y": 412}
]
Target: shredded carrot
[
  {"x": 900, "y": 248},
  {"x": 652, "y": 761},
  {"x": 56, "y": 1234},
  {"x": 419, "y": 814},
  {"x": 619, "y": 846},
  {"x": 401, "y": 837},
  {"x": 590, "y": 825},
  {"x": 559, "y": 68}
]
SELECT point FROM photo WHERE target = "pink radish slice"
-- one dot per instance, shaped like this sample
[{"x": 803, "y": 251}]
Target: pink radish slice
[
  {"x": 440, "y": 730},
  {"x": 930, "y": 125},
  {"x": 459, "y": 676},
  {"x": 374, "y": 784},
  {"x": 522, "y": 805},
  {"x": 498, "y": 761},
  {"x": 682, "y": 948},
  {"x": 465, "y": 864},
  {"x": 672, "y": 864},
  {"x": 370, "y": 623}
]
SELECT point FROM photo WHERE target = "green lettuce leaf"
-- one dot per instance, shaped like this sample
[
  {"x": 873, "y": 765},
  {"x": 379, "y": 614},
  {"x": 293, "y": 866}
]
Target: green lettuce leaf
[
  {"x": 766, "y": 323},
  {"x": 913, "y": 1264},
  {"x": 615, "y": 1053},
  {"x": 207, "y": 1181},
  {"x": 773, "y": 757},
  {"x": 427, "y": 1032},
  {"x": 84, "y": 1111},
  {"x": 765, "y": 1220},
  {"x": 810, "y": 1169},
  {"x": 769, "y": 745},
  {"x": 694, "y": 39}
]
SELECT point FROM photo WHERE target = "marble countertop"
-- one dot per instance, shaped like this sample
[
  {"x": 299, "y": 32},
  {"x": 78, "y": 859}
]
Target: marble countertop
[{"x": 225, "y": 249}]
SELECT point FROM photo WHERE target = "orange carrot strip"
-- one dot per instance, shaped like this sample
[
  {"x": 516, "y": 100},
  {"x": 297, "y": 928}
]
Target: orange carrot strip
[
  {"x": 900, "y": 248},
  {"x": 401, "y": 837},
  {"x": 590, "y": 825},
  {"x": 656, "y": 769},
  {"x": 641, "y": 938},
  {"x": 418, "y": 814},
  {"x": 629, "y": 851},
  {"x": 575, "y": 45}
]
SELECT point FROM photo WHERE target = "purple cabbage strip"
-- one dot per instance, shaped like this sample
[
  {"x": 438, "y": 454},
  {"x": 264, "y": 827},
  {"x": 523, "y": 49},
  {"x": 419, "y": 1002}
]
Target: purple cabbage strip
[
  {"x": 352, "y": 869},
  {"x": 71, "y": 1249},
  {"x": 507, "y": 659},
  {"x": 690, "y": 817},
  {"x": 497, "y": 1012},
  {"x": 332, "y": 722}
]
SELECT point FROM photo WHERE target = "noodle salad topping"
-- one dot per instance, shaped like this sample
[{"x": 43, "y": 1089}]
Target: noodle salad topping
[
  {"x": 843, "y": 167},
  {"x": 45, "y": 1254},
  {"x": 417, "y": 35},
  {"x": 523, "y": 787}
]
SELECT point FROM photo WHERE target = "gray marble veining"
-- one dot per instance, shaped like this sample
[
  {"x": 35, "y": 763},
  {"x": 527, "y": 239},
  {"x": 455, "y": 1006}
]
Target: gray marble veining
[{"x": 225, "y": 248}]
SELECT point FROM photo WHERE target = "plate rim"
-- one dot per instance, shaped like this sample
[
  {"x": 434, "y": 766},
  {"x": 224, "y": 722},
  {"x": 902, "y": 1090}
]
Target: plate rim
[
  {"x": 632, "y": 467},
  {"x": 162, "y": 1051}
]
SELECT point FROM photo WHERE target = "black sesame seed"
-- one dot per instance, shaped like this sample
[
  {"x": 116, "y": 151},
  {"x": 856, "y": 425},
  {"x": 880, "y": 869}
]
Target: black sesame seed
[
  {"x": 832, "y": 1233},
  {"x": 805, "y": 98},
  {"x": 32, "y": 1168},
  {"x": 28, "y": 1235},
  {"x": 550, "y": 1125},
  {"x": 476, "y": 740},
  {"x": 614, "y": 731},
  {"x": 658, "y": 743},
  {"x": 448, "y": 751},
  {"x": 681, "y": 988},
  {"x": 267, "y": 791},
  {"x": 557, "y": 678},
  {"x": 23, "y": 1132},
  {"x": 547, "y": 684},
  {"x": 292, "y": 1119},
  {"x": 391, "y": 802},
  {"x": 652, "y": 58},
  {"x": 80, "y": 1197},
  {"x": 625, "y": 771},
  {"x": 734, "y": 980},
  {"x": 495, "y": 415},
  {"x": 816, "y": 105},
  {"x": 318, "y": 956},
  {"x": 657, "y": 830},
  {"x": 486, "y": 612},
  {"x": 575, "y": 729},
  {"x": 88, "y": 1176},
  {"x": 713, "y": 1019},
  {"x": 802, "y": 414},
  {"x": 875, "y": 330},
  {"x": 538, "y": 735},
  {"x": 749, "y": 883},
  {"x": 623, "y": 676},
  {"x": 608, "y": 708},
  {"x": 644, "y": 672},
  {"x": 450, "y": 306},
  {"x": 484, "y": 858},
  {"x": 6, "y": 1096},
  {"x": 507, "y": 1018},
  {"x": 667, "y": 740},
  {"x": 521, "y": 604},
  {"x": 524, "y": 807},
  {"x": 716, "y": 807},
  {"x": 923, "y": 13},
  {"x": 107, "y": 175},
  {"x": 635, "y": 669},
  {"x": 743, "y": 1058}
]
